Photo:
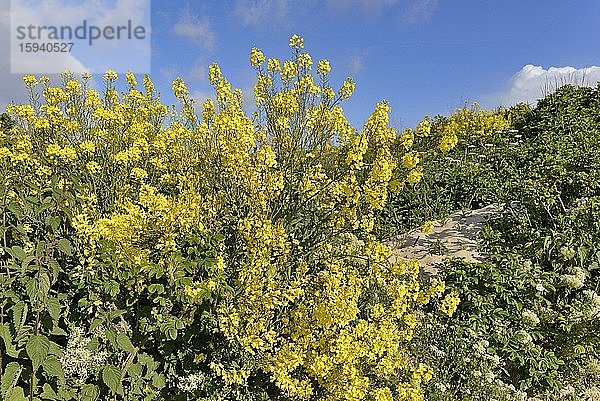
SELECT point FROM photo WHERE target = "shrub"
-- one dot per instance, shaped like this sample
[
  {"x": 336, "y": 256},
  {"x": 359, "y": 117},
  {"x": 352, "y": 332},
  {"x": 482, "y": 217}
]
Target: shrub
[
  {"x": 530, "y": 313},
  {"x": 157, "y": 254}
]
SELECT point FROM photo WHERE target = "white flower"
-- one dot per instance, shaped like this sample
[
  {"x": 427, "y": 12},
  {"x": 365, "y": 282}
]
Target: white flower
[
  {"x": 591, "y": 394},
  {"x": 191, "y": 383},
  {"x": 529, "y": 318},
  {"x": 574, "y": 280},
  {"x": 78, "y": 361}
]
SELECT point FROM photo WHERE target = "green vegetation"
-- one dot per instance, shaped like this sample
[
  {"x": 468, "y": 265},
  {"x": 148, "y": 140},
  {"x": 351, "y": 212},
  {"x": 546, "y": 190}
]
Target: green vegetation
[{"x": 528, "y": 324}]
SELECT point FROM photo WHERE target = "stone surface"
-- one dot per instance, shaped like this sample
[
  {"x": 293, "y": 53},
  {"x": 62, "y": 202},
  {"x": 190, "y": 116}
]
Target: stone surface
[{"x": 453, "y": 237}]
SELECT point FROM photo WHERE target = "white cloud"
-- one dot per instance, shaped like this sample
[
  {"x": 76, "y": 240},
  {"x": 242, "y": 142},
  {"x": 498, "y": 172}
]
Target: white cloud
[
  {"x": 258, "y": 12},
  {"x": 12, "y": 88},
  {"x": 200, "y": 97},
  {"x": 196, "y": 29},
  {"x": 276, "y": 13},
  {"x": 199, "y": 72},
  {"x": 356, "y": 64},
  {"x": 418, "y": 10},
  {"x": 369, "y": 7},
  {"x": 534, "y": 82},
  {"x": 409, "y": 11}
]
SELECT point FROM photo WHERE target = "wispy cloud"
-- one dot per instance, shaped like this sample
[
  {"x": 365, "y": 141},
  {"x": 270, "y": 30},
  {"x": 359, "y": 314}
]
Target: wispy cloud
[
  {"x": 533, "y": 82},
  {"x": 418, "y": 10},
  {"x": 258, "y": 12},
  {"x": 370, "y": 7},
  {"x": 198, "y": 72},
  {"x": 409, "y": 11},
  {"x": 195, "y": 29},
  {"x": 356, "y": 64}
]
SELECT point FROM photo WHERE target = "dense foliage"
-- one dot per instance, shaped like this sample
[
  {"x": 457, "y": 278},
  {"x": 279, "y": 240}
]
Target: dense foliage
[
  {"x": 151, "y": 253},
  {"x": 161, "y": 253},
  {"x": 528, "y": 321}
]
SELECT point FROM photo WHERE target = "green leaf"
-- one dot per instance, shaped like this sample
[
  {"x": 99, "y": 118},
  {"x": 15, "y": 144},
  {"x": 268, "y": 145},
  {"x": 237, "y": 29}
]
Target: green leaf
[
  {"x": 158, "y": 381},
  {"x": 55, "y": 267},
  {"x": 43, "y": 285},
  {"x": 65, "y": 246},
  {"x": 37, "y": 349},
  {"x": 7, "y": 340},
  {"x": 16, "y": 209},
  {"x": 115, "y": 313},
  {"x": 10, "y": 377},
  {"x": 54, "y": 307},
  {"x": 53, "y": 222},
  {"x": 18, "y": 252},
  {"x": 15, "y": 394},
  {"x": 48, "y": 393},
  {"x": 124, "y": 342},
  {"x": 135, "y": 370},
  {"x": 31, "y": 287},
  {"x": 53, "y": 367},
  {"x": 111, "y": 376},
  {"x": 111, "y": 336},
  {"x": 89, "y": 392},
  {"x": 95, "y": 323},
  {"x": 94, "y": 344},
  {"x": 112, "y": 288},
  {"x": 19, "y": 312},
  {"x": 156, "y": 288},
  {"x": 55, "y": 349}
]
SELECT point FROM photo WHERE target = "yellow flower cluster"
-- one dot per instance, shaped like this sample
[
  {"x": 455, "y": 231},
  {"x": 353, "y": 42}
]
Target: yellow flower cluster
[
  {"x": 449, "y": 304},
  {"x": 470, "y": 123},
  {"x": 305, "y": 289}
]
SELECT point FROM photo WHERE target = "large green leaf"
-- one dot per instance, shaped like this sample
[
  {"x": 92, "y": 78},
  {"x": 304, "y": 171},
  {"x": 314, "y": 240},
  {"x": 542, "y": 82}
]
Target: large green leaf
[
  {"x": 7, "y": 340},
  {"x": 15, "y": 394},
  {"x": 18, "y": 252},
  {"x": 89, "y": 392},
  {"x": 48, "y": 393},
  {"x": 9, "y": 378},
  {"x": 124, "y": 342},
  {"x": 65, "y": 246},
  {"x": 53, "y": 367},
  {"x": 111, "y": 376},
  {"x": 37, "y": 349}
]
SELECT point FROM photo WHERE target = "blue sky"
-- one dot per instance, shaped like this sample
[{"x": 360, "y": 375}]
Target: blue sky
[{"x": 424, "y": 56}]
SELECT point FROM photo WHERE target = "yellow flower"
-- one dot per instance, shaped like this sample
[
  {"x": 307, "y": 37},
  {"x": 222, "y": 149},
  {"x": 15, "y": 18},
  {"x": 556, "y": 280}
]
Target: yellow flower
[
  {"x": 448, "y": 142},
  {"x": 323, "y": 67},
  {"x": 139, "y": 174},
  {"x": 29, "y": 80},
  {"x": 131, "y": 81},
  {"x": 110, "y": 76},
  {"x": 257, "y": 58},
  {"x": 347, "y": 88},
  {"x": 449, "y": 304},
  {"x": 289, "y": 70},
  {"x": 296, "y": 42},
  {"x": 73, "y": 86},
  {"x": 214, "y": 74},
  {"x": 410, "y": 160},
  {"x": 179, "y": 89},
  {"x": 424, "y": 128},
  {"x": 305, "y": 60},
  {"x": 93, "y": 167},
  {"x": 428, "y": 227},
  {"x": 273, "y": 65},
  {"x": 414, "y": 176}
]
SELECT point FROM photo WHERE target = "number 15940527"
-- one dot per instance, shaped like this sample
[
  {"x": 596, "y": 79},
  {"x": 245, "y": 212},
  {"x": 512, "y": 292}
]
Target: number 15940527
[{"x": 45, "y": 47}]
